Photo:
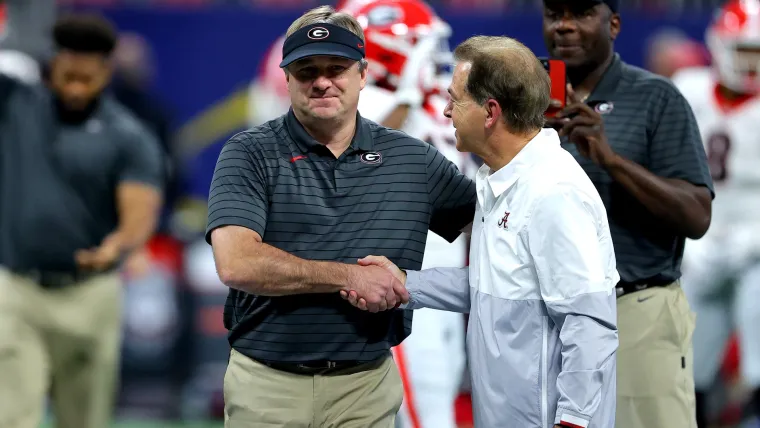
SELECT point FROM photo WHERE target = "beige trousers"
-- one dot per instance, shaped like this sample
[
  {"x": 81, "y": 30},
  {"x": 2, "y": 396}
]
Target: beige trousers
[
  {"x": 58, "y": 342},
  {"x": 655, "y": 374},
  {"x": 257, "y": 396}
]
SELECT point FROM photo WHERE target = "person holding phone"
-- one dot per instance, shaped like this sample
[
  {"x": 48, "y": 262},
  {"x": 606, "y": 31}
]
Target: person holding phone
[{"x": 636, "y": 137}]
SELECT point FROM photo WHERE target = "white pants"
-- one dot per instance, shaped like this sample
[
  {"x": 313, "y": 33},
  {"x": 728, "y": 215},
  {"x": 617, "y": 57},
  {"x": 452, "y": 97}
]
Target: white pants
[
  {"x": 721, "y": 279},
  {"x": 431, "y": 363},
  {"x": 432, "y": 359}
]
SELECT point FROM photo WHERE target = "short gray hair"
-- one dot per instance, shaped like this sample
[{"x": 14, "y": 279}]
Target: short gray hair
[
  {"x": 328, "y": 15},
  {"x": 507, "y": 71}
]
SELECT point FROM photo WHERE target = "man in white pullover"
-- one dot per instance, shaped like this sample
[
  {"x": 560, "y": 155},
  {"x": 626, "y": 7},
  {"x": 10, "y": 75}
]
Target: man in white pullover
[{"x": 542, "y": 335}]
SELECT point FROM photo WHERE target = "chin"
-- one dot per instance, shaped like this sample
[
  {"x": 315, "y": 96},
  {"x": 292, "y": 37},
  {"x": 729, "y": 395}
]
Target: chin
[
  {"x": 460, "y": 146},
  {"x": 325, "y": 113}
]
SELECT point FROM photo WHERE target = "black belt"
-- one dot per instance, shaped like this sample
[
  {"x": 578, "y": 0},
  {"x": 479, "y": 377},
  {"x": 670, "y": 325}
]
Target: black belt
[
  {"x": 319, "y": 367},
  {"x": 56, "y": 279},
  {"x": 624, "y": 288}
]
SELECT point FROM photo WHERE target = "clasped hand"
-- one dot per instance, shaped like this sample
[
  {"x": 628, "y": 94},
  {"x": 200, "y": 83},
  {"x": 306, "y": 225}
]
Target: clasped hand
[{"x": 378, "y": 285}]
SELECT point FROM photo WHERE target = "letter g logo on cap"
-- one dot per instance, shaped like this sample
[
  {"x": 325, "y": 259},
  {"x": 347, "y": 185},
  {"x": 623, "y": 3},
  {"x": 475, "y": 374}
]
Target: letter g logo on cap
[{"x": 318, "y": 33}]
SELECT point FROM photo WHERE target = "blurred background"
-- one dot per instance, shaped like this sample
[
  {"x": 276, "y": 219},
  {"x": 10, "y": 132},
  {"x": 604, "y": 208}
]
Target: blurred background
[{"x": 186, "y": 68}]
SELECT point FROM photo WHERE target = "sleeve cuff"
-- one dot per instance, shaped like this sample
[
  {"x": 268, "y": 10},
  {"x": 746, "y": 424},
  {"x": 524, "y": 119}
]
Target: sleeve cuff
[
  {"x": 412, "y": 285},
  {"x": 570, "y": 419}
]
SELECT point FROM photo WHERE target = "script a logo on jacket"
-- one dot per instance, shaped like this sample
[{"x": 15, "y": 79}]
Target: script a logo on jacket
[{"x": 503, "y": 221}]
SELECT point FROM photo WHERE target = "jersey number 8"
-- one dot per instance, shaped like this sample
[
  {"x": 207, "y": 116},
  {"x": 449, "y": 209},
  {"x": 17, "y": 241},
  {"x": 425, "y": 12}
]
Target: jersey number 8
[{"x": 718, "y": 148}]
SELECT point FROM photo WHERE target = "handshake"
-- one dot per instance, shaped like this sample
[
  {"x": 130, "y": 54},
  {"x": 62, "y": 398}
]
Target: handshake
[{"x": 377, "y": 285}]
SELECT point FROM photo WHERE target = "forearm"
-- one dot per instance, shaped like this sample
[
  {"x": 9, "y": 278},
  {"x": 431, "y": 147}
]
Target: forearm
[
  {"x": 269, "y": 271},
  {"x": 137, "y": 223},
  {"x": 589, "y": 340},
  {"x": 670, "y": 200},
  {"x": 446, "y": 289},
  {"x": 134, "y": 232},
  {"x": 397, "y": 117}
]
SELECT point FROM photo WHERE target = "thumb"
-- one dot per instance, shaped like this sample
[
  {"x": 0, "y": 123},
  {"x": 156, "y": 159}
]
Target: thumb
[
  {"x": 374, "y": 260},
  {"x": 571, "y": 95}
]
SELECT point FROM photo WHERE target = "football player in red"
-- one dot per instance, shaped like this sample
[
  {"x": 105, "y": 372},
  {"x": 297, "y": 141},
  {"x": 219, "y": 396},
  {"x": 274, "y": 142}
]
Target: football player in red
[{"x": 722, "y": 270}]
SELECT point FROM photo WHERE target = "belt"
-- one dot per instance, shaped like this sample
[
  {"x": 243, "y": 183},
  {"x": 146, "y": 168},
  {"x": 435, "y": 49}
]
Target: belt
[
  {"x": 56, "y": 279},
  {"x": 624, "y": 288},
  {"x": 316, "y": 367}
]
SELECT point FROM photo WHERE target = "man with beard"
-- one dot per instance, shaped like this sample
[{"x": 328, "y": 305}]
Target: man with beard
[
  {"x": 79, "y": 191},
  {"x": 636, "y": 137}
]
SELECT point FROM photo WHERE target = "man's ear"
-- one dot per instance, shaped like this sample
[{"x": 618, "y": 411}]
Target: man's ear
[
  {"x": 363, "y": 70},
  {"x": 614, "y": 25},
  {"x": 493, "y": 113}
]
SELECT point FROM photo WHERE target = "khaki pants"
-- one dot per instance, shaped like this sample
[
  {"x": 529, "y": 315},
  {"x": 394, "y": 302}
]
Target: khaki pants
[
  {"x": 63, "y": 342},
  {"x": 655, "y": 375},
  {"x": 257, "y": 396}
]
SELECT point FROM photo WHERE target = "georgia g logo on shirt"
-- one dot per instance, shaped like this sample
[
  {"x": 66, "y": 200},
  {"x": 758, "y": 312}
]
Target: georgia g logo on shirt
[
  {"x": 318, "y": 33},
  {"x": 371, "y": 158}
]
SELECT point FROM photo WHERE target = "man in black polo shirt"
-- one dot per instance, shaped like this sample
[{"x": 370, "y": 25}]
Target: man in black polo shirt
[
  {"x": 80, "y": 182},
  {"x": 636, "y": 137},
  {"x": 294, "y": 203}
]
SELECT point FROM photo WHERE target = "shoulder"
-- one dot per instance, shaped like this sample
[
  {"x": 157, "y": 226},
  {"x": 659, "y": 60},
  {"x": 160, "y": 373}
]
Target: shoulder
[
  {"x": 384, "y": 138},
  {"x": 693, "y": 78},
  {"x": 264, "y": 137},
  {"x": 646, "y": 83},
  {"x": 561, "y": 180},
  {"x": 121, "y": 121}
]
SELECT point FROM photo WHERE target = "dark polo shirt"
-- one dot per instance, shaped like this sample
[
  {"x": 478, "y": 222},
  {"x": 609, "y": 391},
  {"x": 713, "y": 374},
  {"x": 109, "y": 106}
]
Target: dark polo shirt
[
  {"x": 59, "y": 179},
  {"x": 379, "y": 197},
  {"x": 647, "y": 121}
]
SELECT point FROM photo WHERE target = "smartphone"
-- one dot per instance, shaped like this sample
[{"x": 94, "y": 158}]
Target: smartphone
[{"x": 558, "y": 77}]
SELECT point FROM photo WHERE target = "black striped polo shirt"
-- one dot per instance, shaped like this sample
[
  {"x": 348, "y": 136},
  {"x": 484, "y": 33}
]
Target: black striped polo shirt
[
  {"x": 647, "y": 121},
  {"x": 381, "y": 196}
]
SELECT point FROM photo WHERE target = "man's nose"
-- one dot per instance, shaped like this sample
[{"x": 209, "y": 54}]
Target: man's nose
[
  {"x": 566, "y": 24},
  {"x": 322, "y": 83}
]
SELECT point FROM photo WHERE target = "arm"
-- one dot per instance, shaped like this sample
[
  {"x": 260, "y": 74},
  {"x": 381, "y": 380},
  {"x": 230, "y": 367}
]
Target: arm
[
  {"x": 452, "y": 196},
  {"x": 676, "y": 187},
  {"x": 446, "y": 289},
  {"x": 138, "y": 192},
  {"x": 245, "y": 263},
  {"x": 576, "y": 273},
  {"x": 385, "y": 107},
  {"x": 392, "y": 108},
  {"x": 237, "y": 216}
]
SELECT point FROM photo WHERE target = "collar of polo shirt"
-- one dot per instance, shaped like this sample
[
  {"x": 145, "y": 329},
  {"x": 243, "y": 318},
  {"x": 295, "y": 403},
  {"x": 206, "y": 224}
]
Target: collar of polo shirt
[
  {"x": 607, "y": 86},
  {"x": 362, "y": 140},
  {"x": 500, "y": 181}
]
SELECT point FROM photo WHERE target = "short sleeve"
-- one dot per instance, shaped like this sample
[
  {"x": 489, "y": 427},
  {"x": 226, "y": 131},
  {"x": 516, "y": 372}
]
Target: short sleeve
[
  {"x": 238, "y": 194},
  {"x": 675, "y": 146},
  {"x": 452, "y": 195},
  {"x": 143, "y": 161}
]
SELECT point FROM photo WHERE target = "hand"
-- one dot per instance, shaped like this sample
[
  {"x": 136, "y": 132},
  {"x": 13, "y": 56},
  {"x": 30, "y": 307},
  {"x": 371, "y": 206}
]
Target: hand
[
  {"x": 138, "y": 263},
  {"x": 393, "y": 297},
  {"x": 584, "y": 127},
  {"x": 99, "y": 258}
]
